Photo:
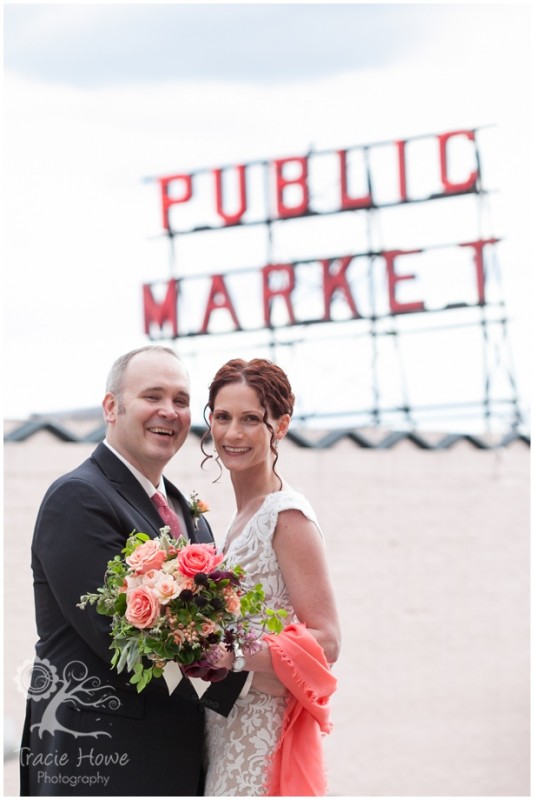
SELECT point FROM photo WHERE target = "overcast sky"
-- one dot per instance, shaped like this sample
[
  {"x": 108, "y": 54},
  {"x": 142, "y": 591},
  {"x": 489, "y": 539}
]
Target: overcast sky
[{"x": 99, "y": 96}]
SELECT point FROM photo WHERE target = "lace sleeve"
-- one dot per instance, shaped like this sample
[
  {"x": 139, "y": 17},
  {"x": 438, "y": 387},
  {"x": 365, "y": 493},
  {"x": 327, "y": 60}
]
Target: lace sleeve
[{"x": 284, "y": 501}]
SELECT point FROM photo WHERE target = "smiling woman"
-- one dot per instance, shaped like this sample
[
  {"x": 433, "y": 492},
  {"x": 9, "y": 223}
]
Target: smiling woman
[{"x": 275, "y": 534}]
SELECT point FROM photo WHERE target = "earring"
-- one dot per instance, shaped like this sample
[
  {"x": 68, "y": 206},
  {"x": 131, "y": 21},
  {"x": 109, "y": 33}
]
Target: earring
[{"x": 276, "y": 444}]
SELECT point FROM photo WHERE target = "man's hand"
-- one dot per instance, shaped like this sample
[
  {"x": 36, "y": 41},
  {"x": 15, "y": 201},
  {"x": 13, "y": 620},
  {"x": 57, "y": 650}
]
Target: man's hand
[{"x": 268, "y": 683}]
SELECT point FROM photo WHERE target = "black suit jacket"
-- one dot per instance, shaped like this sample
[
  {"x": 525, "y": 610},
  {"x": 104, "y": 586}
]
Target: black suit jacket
[{"x": 87, "y": 730}]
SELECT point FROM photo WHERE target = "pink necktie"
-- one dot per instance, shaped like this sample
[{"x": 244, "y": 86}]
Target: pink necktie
[{"x": 167, "y": 515}]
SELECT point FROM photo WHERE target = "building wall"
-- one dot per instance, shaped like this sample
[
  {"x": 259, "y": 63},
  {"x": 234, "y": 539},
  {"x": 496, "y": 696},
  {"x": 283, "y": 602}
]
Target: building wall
[{"x": 429, "y": 556}]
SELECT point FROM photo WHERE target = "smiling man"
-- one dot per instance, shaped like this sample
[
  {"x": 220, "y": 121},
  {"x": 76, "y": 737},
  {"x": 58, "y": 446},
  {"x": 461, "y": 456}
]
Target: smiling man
[
  {"x": 146, "y": 409},
  {"x": 86, "y": 726}
]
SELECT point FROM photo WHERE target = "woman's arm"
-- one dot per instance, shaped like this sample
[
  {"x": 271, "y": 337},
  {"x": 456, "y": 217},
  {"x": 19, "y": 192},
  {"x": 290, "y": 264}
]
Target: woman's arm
[
  {"x": 301, "y": 556},
  {"x": 302, "y": 559}
]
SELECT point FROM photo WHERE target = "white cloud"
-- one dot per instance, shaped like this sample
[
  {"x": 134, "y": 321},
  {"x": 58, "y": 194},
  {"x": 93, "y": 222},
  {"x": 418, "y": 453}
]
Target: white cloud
[{"x": 102, "y": 44}]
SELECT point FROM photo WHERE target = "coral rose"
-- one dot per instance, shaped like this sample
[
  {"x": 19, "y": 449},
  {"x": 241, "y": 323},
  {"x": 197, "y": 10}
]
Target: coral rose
[
  {"x": 147, "y": 556},
  {"x": 232, "y": 601},
  {"x": 142, "y": 607},
  {"x": 197, "y": 558}
]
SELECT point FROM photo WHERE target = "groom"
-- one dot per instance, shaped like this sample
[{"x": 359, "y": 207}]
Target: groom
[{"x": 87, "y": 730}]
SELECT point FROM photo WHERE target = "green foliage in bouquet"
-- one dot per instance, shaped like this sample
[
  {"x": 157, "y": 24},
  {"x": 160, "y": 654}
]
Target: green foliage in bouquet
[{"x": 170, "y": 600}]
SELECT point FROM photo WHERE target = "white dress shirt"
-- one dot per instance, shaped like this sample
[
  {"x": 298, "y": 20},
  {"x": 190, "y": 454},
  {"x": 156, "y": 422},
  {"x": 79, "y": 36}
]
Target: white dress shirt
[{"x": 148, "y": 486}]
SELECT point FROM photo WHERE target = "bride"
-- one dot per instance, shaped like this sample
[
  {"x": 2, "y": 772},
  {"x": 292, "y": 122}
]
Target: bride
[{"x": 275, "y": 536}]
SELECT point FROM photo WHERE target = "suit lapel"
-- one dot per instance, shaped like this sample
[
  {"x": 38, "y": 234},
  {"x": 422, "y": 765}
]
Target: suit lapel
[{"x": 128, "y": 487}]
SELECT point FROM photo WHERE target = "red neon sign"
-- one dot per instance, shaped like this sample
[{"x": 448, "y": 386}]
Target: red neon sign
[
  {"x": 292, "y": 185},
  {"x": 278, "y": 283}
]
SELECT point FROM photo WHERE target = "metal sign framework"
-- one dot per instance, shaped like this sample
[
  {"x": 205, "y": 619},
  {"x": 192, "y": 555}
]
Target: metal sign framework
[{"x": 485, "y": 312}]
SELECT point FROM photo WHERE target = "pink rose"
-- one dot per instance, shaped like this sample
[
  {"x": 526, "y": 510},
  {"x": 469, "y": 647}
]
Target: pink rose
[
  {"x": 197, "y": 558},
  {"x": 207, "y": 627},
  {"x": 150, "y": 578},
  {"x": 166, "y": 589},
  {"x": 187, "y": 584},
  {"x": 142, "y": 607},
  {"x": 147, "y": 556}
]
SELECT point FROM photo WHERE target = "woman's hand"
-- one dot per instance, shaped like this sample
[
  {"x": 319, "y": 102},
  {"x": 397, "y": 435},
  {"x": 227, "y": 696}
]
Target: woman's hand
[{"x": 223, "y": 658}]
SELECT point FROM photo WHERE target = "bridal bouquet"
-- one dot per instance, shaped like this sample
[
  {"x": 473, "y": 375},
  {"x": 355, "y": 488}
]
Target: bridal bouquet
[{"x": 174, "y": 601}]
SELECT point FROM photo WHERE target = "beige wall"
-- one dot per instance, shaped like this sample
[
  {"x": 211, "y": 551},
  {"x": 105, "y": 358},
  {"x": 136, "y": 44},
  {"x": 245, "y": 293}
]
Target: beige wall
[{"x": 429, "y": 555}]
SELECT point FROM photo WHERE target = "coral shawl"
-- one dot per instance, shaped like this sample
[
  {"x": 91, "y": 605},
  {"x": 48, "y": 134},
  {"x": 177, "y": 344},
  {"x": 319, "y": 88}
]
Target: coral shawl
[{"x": 297, "y": 768}]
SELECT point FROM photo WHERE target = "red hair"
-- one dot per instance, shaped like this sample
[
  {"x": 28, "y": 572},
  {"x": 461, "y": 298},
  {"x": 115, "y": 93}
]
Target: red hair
[{"x": 268, "y": 380}]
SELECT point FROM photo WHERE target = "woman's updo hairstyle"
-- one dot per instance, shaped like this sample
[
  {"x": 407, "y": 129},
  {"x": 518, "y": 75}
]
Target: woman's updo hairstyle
[{"x": 270, "y": 383}]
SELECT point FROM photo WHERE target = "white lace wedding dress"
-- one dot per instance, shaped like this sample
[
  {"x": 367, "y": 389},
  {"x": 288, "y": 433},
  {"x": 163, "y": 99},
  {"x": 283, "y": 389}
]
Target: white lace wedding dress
[{"x": 238, "y": 747}]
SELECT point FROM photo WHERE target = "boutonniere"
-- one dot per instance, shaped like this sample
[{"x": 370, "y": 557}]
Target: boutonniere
[{"x": 198, "y": 508}]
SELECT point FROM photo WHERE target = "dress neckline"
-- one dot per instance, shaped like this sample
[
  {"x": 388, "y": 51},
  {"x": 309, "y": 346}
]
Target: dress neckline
[{"x": 283, "y": 490}]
